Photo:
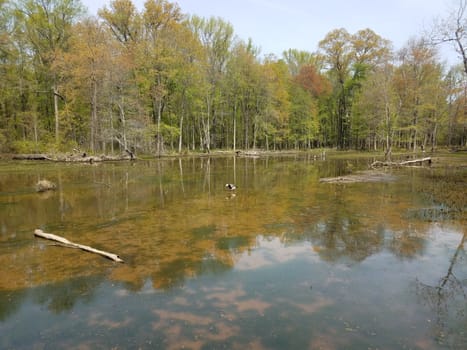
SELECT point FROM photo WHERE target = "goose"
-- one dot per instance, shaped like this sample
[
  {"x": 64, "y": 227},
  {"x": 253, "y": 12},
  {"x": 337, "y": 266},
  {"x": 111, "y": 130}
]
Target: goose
[{"x": 230, "y": 187}]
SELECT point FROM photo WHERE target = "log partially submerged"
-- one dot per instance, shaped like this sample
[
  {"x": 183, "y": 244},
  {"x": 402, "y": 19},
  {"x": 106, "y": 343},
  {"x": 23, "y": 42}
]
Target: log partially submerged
[
  {"x": 419, "y": 161},
  {"x": 66, "y": 242}
]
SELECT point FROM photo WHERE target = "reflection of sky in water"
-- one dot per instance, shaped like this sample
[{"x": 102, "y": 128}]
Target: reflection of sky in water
[
  {"x": 271, "y": 251},
  {"x": 277, "y": 295}
]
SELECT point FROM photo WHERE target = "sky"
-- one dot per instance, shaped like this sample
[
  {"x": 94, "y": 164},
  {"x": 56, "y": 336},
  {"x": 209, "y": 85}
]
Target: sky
[{"x": 277, "y": 25}]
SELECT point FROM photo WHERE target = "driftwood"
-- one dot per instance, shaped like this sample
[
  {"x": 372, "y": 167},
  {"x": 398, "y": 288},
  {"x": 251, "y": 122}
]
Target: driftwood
[
  {"x": 250, "y": 154},
  {"x": 38, "y": 156},
  {"x": 91, "y": 159},
  {"x": 75, "y": 158},
  {"x": 419, "y": 161},
  {"x": 66, "y": 242}
]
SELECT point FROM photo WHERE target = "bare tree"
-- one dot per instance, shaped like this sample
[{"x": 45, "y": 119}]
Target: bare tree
[{"x": 453, "y": 29}]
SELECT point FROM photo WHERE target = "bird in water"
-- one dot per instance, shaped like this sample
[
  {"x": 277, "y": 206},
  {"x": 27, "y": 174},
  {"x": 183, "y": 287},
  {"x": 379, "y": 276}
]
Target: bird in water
[{"x": 230, "y": 187}]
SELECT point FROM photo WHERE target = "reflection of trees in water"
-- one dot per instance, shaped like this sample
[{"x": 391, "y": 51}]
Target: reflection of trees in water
[
  {"x": 406, "y": 244},
  {"x": 174, "y": 273},
  {"x": 194, "y": 229},
  {"x": 206, "y": 165},
  {"x": 341, "y": 234},
  {"x": 63, "y": 296},
  {"x": 160, "y": 212},
  {"x": 448, "y": 300},
  {"x": 359, "y": 220},
  {"x": 443, "y": 188},
  {"x": 58, "y": 297},
  {"x": 10, "y": 302},
  {"x": 338, "y": 226},
  {"x": 337, "y": 236}
]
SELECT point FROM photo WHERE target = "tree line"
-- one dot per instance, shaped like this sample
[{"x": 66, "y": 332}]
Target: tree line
[{"x": 158, "y": 80}]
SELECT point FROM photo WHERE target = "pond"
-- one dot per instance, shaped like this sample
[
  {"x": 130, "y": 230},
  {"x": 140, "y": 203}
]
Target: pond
[{"x": 283, "y": 262}]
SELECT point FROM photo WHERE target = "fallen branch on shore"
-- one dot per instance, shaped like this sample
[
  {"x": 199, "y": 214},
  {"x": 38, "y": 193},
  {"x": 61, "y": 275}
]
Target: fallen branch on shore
[
  {"x": 419, "y": 161},
  {"x": 91, "y": 159},
  {"x": 35, "y": 156},
  {"x": 66, "y": 242},
  {"x": 75, "y": 158},
  {"x": 248, "y": 153}
]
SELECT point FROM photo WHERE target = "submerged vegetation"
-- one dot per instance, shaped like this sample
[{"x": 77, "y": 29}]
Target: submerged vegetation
[{"x": 157, "y": 80}]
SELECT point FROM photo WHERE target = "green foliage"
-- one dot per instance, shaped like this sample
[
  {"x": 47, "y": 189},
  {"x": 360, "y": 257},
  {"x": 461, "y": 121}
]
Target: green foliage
[
  {"x": 170, "y": 133},
  {"x": 26, "y": 146},
  {"x": 4, "y": 147},
  {"x": 157, "y": 79}
]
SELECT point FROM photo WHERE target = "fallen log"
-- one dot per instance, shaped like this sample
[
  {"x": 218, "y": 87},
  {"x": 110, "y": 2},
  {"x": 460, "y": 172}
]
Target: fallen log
[
  {"x": 74, "y": 158},
  {"x": 250, "y": 154},
  {"x": 419, "y": 161},
  {"x": 66, "y": 242},
  {"x": 31, "y": 157},
  {"x": 84, "y": 158}
]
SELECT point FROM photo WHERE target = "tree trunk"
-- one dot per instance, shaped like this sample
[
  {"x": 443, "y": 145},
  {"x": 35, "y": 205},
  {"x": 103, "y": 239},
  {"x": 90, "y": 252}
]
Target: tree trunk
[
  {"x": 388, "y": 134},
  {"x": 255, "y": 129},
  {"x": 207, "y": 126},
  {"x": 246, "y": 126},
  {"x": 459, "y": 33},
  {"x": 235, "y": 127},
  {"x": 180, "y": 138},
  {"x": 434, "y": 136},
  {"x": 36, "y": 136},
  {"x": 159, "y": 140},
  {"x": 341, "y": 121},
  {"x": 55, "y": 92},
  {"x": 121, "y": 107},
  {"x": 93, "y": 115},
  {"x": 193, "y": 142}
]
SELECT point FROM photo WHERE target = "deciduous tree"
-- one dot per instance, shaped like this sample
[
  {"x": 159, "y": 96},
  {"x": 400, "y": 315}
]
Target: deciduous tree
[{"x": 48, "y": 25}]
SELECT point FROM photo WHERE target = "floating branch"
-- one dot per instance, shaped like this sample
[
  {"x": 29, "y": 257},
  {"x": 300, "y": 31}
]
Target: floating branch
[{"x": 66, "y": 242}]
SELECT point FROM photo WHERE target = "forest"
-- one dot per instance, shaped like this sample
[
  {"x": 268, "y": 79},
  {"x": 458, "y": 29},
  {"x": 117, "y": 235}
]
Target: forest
[{"x": 158, "y": 81}]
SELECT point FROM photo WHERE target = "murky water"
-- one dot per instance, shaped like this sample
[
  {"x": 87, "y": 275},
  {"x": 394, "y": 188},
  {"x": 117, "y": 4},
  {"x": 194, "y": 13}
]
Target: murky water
[{"x": 284, "y": 262}]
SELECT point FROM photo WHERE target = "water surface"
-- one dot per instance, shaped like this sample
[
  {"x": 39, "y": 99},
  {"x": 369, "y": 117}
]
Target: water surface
[{"x": 284, "y": 262}]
